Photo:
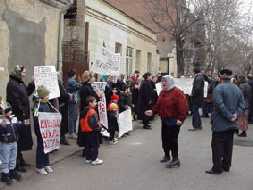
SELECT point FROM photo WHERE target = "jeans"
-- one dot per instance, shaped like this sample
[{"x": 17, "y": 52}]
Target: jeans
[
  {"x": 8, "y": 156},
  {"x": 196, "y": 119},
  {"x": 92, "y": 145},
  {"x": 72, "y": 117},
  {"x": 222, "y": 150},
  {"x": 42, "y": 159}
]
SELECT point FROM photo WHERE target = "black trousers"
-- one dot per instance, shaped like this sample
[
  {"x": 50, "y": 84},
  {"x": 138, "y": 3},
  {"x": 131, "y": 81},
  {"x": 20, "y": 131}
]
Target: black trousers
[
  {"x": 92, "y": 145},
  {"x": 222, "y": 150},
  {"x": 146, "y": 120},
  {"x": 170, "y": 140}
]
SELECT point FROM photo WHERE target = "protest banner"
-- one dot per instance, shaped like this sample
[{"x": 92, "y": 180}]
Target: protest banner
[
  {"x": 107, "y": 63},
  {"x": 49, "y": 124},
  {"x": 184, "y": 84},
  {"x": 47, "y": 76},
  {"x": 102, "y": 111},
  {"x": 125, "y": 122}
]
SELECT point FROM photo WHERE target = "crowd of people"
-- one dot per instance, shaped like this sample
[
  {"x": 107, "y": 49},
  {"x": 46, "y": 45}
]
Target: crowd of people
[{"x": 229, "y": 99}]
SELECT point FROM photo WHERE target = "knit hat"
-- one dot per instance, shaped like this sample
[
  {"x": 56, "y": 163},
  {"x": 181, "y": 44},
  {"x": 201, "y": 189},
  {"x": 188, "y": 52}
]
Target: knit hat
[
  {"x": 113, "y": 107},
  {"x": 42, "y": 91}
]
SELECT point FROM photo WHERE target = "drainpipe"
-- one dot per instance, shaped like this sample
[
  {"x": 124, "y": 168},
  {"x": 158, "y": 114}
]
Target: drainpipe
[{"x": 60, "y": 37}]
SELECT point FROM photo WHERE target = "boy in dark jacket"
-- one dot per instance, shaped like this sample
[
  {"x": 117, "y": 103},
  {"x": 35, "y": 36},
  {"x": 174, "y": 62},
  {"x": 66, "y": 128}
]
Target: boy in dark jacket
[
  {"x": 113, "y": 124},
  {"x": 8, "y": 147},
  {"x": 90, "y": 126}
]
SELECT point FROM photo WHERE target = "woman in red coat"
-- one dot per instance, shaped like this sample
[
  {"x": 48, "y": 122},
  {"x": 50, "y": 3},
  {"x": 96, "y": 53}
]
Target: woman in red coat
[{"x": 172, "y": 108}]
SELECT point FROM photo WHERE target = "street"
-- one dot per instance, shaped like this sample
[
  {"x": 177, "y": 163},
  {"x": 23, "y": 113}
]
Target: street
[{"x": 134, "y": 164}]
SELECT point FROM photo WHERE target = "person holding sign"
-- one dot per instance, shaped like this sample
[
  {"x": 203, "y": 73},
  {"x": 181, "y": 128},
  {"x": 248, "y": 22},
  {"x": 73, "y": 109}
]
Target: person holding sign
[
  {"x": 42, "y": 159},
  {"x": 172, "y": 108}
]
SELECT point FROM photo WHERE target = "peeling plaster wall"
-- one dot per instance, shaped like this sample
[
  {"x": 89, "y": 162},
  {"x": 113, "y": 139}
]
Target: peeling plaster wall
[{"x": 28, "y": 35}]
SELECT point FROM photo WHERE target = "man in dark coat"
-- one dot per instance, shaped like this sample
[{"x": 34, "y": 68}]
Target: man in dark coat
[
  {"x": 228, "y": 104},
  {"x": 63, "y": 108},
  {"x": 145, "y": 99},
  {"x": 197, "y": 98},
  {"x": 18, "y": 97}
]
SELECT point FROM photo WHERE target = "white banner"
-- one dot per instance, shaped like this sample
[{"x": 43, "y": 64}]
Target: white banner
[
  {"x": 184, "y": 84},
  {"x": 47, "y": 76},
  {"x": 49, "y": 124},
  {"x": 99, "y": 86},
  {"x": 125, "y": 122},
  {"x": 102, "y": 111},
  {"x": 107, "y": 63},
  {"x": 158, "y": 87}
]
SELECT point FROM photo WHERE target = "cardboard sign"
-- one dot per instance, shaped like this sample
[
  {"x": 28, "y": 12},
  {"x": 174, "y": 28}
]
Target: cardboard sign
[
  {"x": 99, "y": 86},
  {"x": 107, "y": 63},
  {"x": 125, "y": 122},
  {"x": 102, "y": 111},
  {"x": 158, "y": 87},
  {"x": 49, "y": 124},
  {"x": 47, "y": 76}
]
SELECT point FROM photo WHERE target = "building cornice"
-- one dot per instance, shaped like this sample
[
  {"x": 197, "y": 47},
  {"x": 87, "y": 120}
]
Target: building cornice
[
  {"x": 104, "y": 18},
  {"x": 61, "y": 4}
]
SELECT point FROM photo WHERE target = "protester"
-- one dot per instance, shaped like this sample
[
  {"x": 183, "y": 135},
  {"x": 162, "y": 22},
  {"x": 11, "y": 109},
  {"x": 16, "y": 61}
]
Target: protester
[
  {"x": 8, "y": 147},
  {"x": 172, "y": 108},
  {"x": 125, "y": 100},
  {"x": 135, "y": 85},
  {"x": 64, "y": 100},
  {"x": 115, "y": 96},
  {"x": 18, "y": 97},
  {"x": 72, "y": 88},
  {"x": 90, "y": 126},
  {"x": 42, "y": 159},
  {"x": 247, "y": 94},
  {"x": 145, "y": 100},
  {"x": 197, "y": 99},
  {"x": 113, "y": 124},
  {"x": 228, "y": 105},
  {"x": 85, "y": 91},
  {"x": 121, "y": 85}
]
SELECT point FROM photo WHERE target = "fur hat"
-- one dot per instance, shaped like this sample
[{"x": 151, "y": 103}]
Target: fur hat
[
  {"x": 17, "y": 71},
  {"x": 42, "y": 91}
]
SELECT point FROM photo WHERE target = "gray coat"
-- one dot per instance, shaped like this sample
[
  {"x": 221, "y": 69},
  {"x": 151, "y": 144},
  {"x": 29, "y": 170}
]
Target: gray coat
[{"x": 228, "y": 100}]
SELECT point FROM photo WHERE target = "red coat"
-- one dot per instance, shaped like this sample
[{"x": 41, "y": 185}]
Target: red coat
[{"x": 172, "y": 104}]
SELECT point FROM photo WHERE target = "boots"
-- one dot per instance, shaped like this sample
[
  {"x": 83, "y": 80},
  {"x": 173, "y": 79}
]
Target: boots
[
  {"x": 174, "y": 164},
  {"x": 6, "y": 179},
  {"x": 15, "y": 175},
  {"x": 243, "y": 134}
]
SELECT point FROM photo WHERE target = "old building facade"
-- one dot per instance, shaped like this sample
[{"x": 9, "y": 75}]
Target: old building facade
[
  {"x": 30, "y": 35},
  {"x": 114, "y": 29}
]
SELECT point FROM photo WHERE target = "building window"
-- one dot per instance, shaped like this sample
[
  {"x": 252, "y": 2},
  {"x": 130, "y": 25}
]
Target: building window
[
  {"x": 149, "y": 63},
  {"x": 118, "y": 48},
  {"x": 129, "y": 60}
]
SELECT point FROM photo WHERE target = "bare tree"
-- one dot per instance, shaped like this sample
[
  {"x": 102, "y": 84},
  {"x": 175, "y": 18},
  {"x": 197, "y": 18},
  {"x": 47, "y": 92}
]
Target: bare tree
[
  {"x": 227, "y": 32},
  {"x": 172, "y": 17}
]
